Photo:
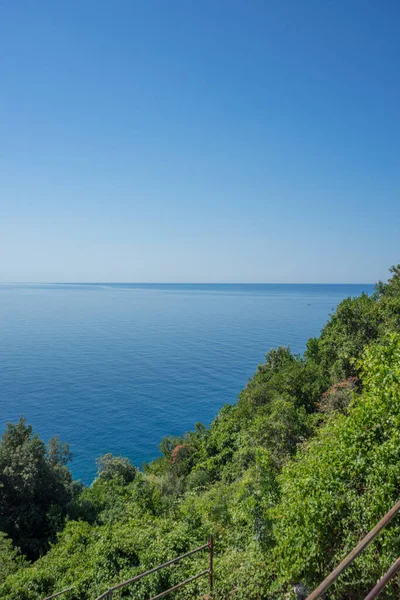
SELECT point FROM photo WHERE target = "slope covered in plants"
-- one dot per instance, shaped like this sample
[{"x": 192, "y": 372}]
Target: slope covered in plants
[{"x": 287, "y": 480}]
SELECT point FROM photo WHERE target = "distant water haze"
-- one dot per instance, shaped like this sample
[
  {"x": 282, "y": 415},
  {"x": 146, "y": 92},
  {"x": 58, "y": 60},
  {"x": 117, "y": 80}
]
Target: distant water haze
[{"x": 116, "y": 367}]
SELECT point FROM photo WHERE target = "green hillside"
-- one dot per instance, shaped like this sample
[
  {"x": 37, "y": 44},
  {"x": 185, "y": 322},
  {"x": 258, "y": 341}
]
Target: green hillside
[{"x": 287, "y": 480}]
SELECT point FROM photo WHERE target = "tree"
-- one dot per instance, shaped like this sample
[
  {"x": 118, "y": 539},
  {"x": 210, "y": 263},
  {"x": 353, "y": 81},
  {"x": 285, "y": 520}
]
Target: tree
[
  {"x": 36, "y": 487},
  {"x": 392, "y": 287},
  {"x": 355, "y": 324},
  {"x": 115, "y": 467}
]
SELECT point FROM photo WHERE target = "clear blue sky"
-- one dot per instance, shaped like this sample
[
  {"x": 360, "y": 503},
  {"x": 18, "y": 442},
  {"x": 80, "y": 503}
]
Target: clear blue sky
[{"x": 199, "y": 140}]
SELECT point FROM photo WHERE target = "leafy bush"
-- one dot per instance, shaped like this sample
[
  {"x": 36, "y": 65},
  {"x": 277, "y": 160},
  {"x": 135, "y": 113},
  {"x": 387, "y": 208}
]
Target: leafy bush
[
  {"x": 115, "y": 467},
  {"x": 338, "y": 397},
  {"x": 10, "y": 558}
]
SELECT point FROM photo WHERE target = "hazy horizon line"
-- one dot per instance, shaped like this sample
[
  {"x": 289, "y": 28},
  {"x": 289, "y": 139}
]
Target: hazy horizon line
[{"x": 186, "y": 283}]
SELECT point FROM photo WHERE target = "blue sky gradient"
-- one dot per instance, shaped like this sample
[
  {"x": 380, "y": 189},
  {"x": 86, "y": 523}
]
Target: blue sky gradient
[{"x": 212, "y": 141}]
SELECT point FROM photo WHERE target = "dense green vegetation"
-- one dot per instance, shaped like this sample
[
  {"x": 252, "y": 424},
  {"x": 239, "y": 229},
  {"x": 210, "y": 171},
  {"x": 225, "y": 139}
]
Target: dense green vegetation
[
  {"x": 36, "y": 488},
  {"x": 287, "y": 480}
]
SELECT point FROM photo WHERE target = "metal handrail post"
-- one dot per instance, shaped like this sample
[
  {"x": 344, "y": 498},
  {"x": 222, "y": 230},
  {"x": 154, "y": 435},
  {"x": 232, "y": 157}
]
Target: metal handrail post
[{"x": 107, "y": 595}]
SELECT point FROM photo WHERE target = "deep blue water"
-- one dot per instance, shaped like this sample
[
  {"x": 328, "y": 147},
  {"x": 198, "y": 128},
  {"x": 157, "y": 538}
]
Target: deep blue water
[{"x": 116, "y": 367}]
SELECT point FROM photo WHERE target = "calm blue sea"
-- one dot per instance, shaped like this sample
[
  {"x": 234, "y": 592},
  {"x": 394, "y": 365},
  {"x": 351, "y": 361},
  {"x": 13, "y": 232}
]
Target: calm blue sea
[{"x": 116, "y": 367}]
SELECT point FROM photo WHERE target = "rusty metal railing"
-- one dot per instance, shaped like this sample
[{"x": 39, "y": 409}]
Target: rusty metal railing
[
  {"x": 107, "y": 595},
  {"x": 58, "y": 593},
  {"x": 385, "y": 579},
  {"x": 328, "y": 581}
]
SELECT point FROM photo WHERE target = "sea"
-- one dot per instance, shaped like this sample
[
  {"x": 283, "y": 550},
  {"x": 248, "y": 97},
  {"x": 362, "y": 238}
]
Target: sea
[{"x": 117, "y": 367}]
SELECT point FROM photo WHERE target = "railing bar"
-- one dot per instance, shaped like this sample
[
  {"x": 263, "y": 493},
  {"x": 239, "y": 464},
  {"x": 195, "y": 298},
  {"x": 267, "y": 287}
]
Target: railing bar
[
  {"x": 150, "y": 571},
  {"x": 154, "y": 569},
  {"x": 58, "y": 593},
  {"x": 385, "y": 579},
  {"x": 179, "y": 585},
  {"x": 354, "y": 553}
]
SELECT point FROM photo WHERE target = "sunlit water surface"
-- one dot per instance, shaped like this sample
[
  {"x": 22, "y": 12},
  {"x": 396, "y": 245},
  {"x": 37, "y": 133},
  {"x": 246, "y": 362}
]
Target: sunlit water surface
[{"x": 116, "y": 367}]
